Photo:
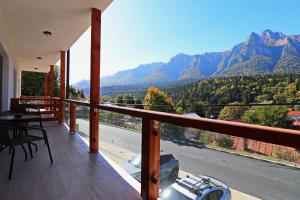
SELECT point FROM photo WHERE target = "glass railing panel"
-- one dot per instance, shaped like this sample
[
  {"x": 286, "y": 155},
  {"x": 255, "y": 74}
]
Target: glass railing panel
[
  {"x": 120, "y": 140},
  {"x": 248, "y": 167},
  {"x": 82, "y": 121},
  {"x": 67, "y": 113}
]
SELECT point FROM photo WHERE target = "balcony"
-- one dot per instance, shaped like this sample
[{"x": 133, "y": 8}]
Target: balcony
[
  {"x": 72, "y": 153},
  {"x": 80, "y": 171},
  {"x": 75, "y": 174}
]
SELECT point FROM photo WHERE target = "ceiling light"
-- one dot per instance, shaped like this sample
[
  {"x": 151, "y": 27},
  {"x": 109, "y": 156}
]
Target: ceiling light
[
  {"x": 47, "y": 33},
  {"x": 39, "y": 58}
]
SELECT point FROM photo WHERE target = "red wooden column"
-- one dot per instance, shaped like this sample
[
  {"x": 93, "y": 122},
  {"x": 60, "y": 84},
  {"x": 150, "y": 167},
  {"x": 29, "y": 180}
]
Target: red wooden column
[
  {"x": 95, "y": 79},
  {"x": 72, "y": 117},
  {"x": 62, "y": 85},
  {"x": 51, "y": 83},
  {"x": 46, "y": 102},
  {"x": 51, "y": 80},
  {"x": 150, "y": 159},
  {"x": 46, "y": 84}
]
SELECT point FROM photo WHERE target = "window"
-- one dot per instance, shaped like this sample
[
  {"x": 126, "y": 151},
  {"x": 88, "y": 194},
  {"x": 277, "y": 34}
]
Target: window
[
  {"x": 214, "y": 195},
  {"x": 172, "y": 194},
  {"x": 164, "y": 159}
]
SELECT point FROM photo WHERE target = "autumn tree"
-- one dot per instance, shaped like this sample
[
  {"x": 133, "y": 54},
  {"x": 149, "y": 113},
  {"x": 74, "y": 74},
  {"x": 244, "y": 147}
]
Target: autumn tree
[{"x": 157, "y": 100}]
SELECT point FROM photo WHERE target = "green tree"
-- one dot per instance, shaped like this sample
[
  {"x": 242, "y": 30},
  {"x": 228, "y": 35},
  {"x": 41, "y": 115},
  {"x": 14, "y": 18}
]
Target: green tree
[
  {"x": 138, "y": 104},
  {"x": 75, "y": 93},
  {"x": 232, "y": 112},
  {"x": 275, "y": 116},
  {"x": 128, "y": 99},
  {"x": 179, "y": 110},
  {"x": 119, "y": 100},
  {"x": 33, "y": 83}
]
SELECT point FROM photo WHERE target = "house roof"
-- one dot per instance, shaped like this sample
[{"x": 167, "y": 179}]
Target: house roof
[
  {"x": 296, "y": 123},
  {"x": 192, "y": 114},
  {"x": 293, "y": 113}
]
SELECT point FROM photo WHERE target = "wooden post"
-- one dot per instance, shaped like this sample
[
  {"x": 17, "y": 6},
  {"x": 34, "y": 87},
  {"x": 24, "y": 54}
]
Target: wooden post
[
  {"x": 68, "y": 75},
  {"x": 46, "y": 85},
  {"x": 51, "y": 80},
  {"x": 72, "y": 117},
  {"x": 46, "y": 102},
  {"x": 95, "y": 79},
  {"x": 150, "y": 159},
  {"x": 62, "y": 86}
]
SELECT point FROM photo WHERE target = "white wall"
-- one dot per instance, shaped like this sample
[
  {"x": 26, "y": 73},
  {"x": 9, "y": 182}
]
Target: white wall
[{"x": 9, "y": 63}]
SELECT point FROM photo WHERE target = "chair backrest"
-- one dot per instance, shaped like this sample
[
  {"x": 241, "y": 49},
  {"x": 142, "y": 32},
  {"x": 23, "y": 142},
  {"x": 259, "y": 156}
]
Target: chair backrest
[{"x": 20, "y": 108}]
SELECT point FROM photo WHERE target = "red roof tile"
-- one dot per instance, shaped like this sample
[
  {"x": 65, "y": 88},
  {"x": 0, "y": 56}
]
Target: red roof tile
[{"x": 293, "y": 113}]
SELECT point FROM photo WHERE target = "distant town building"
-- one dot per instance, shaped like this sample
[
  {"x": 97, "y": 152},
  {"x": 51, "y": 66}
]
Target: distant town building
[{"x": 296, "y": 116}]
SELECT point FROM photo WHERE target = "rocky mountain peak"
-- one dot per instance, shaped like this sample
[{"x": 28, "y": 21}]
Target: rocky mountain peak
[
  {"x": 179, "y": 57},
  {"x": 269, "y": 34},
  {"x": 267, "y": 52},
  {"x": 253, "y": 38}
]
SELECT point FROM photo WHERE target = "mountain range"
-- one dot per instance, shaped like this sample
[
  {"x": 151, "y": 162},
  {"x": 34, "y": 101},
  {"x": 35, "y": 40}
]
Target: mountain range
[{"x": 265, "y": 53}]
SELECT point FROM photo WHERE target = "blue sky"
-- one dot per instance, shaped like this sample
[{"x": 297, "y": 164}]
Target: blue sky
[{"x": 142, "y": 31}]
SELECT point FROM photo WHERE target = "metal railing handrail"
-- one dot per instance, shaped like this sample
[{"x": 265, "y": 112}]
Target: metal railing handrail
[{"x": 36, "y": 98}]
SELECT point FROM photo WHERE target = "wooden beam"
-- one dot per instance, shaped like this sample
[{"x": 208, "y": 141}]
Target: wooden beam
[
  {"x": 46, "y": 84},
  {"x": 280, "y": 136},
  {"x": 72, "y": 117},
  {"x": 51, "y": 87},
  {"x": 62, "y": 85},
  {"x": 150, "y": 159},
  {"x": 95, "y": 79}
]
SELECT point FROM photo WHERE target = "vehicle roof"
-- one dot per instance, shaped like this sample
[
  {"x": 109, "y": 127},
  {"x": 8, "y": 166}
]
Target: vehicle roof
[
  {"x": 197, "y": 184},
  {"x": 165, "y": 153},
  {"x": 162, "y": 153}
]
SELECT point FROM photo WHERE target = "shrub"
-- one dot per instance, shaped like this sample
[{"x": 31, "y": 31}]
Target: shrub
[
  {"x": 207, "y": 137},
  {"x": 224, "y": 141},
  {"x": 172, "y": 131},
  {"x": 284, "y": 154}
]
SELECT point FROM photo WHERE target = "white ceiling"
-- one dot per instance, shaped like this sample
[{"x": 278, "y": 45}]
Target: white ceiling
[{"x": 27, "y": 19}]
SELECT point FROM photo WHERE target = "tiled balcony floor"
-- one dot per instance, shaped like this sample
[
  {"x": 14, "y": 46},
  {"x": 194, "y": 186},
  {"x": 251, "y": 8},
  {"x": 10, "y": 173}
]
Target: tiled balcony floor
[{"x": 75, "y": 174}]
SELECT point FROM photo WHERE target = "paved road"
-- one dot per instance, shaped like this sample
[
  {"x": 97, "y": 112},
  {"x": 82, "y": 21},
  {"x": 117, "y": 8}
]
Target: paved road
[{"x": 258, "y": 178}]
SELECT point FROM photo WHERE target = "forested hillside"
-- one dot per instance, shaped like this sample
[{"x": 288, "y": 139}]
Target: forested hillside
[
  {"x": 273, "y": 88},
  {"x": 194, "y": 97}
]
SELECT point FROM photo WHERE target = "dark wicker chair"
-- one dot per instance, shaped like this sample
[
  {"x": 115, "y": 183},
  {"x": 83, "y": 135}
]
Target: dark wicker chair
[
  {"x": 22, "y": 108},
  {"x": 7, "y": 140}
]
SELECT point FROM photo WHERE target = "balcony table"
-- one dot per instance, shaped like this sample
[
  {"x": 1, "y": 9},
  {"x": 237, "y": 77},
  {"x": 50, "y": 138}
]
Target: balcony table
[
  {"x": 22, "y": 118},
  {"x": 12, "y": 119}
]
